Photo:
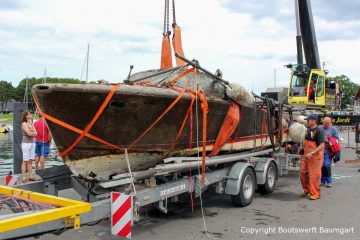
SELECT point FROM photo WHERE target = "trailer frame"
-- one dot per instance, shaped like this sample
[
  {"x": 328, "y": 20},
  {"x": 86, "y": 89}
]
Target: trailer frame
[{"x": 228, "y": 179}]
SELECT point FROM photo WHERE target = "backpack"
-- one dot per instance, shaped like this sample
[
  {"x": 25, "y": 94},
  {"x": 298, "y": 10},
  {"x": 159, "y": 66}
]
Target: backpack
[
  {"x": 334, "y": 146},
  {"x": 336, "y": 157}
]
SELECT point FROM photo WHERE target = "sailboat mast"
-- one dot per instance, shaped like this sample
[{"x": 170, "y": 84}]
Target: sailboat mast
[
  {"x": 87, "y": 63},
  {"x": 26, "y": 90},
  {"x": 44, "y": 80}
]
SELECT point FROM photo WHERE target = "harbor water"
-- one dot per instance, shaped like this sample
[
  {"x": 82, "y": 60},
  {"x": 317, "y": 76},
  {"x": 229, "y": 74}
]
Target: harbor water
[{"x": 6, "y": 154}]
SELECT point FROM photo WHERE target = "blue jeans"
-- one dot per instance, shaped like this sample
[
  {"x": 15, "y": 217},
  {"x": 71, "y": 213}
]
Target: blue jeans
[
  {"x": 326, "y": 175},
  {"x": 42, "y": 149},
  {"x": 326, "y": 169}
]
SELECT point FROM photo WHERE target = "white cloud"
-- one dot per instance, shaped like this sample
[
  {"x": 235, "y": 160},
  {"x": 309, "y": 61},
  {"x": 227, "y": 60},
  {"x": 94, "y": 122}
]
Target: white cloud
[{"x": 246, "y": 46}]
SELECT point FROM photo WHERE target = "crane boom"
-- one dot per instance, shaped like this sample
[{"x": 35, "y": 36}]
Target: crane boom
[
  {"x": 308, "y": 34},
  {"x": 309, "y": 85}
]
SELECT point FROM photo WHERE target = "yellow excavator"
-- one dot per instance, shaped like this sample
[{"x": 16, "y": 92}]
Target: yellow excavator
[{"x": 309, "y": 87}]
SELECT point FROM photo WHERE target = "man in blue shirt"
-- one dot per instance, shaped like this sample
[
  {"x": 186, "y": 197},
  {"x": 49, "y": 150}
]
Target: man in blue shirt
[{"x": 329, "y": 131}]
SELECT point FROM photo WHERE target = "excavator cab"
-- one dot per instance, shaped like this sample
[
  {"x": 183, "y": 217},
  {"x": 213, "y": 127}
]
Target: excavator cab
[{"x": 307, "y": 86}]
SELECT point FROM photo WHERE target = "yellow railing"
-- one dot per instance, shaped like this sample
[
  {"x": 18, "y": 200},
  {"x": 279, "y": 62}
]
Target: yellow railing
[{"x": 67, "y": 208}]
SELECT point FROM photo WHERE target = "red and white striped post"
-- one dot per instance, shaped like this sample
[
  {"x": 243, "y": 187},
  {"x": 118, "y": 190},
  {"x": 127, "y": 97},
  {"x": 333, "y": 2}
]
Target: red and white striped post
[
  {"x": 11, "y": 180},
  {"x": 121, "y": 214}
]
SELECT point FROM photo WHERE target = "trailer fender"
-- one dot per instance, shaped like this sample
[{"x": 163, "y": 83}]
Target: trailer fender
[
  {"x": 261, "y": 168},
  {"x": 234, "y": 177}
]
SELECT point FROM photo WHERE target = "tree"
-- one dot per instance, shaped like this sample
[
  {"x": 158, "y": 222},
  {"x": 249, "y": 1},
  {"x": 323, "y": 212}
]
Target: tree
[
  {"x": 348, "y": 89},
  {"x": 7, "y": 92},
  {"x": 20, "y": 89}
]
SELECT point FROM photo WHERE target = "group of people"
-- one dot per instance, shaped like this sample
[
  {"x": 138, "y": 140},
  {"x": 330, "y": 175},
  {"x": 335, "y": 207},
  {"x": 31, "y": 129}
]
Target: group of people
[
  {"x": 35, "y": 144},
  {"x": 315, "y": 165}
]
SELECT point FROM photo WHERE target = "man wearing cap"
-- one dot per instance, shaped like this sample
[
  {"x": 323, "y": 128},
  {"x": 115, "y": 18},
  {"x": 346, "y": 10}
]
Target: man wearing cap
[
  {"x": 329, "y": 131},
  {"x": 312, "y": 160}
]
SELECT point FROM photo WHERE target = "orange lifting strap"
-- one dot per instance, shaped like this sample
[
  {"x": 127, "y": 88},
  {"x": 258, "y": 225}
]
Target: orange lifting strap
[
  {"x": 76, "y": 130},
  {"x": 92, "y": 122},
  {"x": 168, "y": 108},
  {"x": 177, "y": 44},
  {"x": 166, "y": 57},
  {"x": 228, "y": 127},
  {"x": 188, "y": 113},
  {"x": 166, "y": 53},
  {"x": 84, "y": 133}
]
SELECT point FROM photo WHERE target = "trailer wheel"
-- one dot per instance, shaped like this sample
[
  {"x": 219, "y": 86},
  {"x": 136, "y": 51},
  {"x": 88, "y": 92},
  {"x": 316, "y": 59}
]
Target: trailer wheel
[
  {"x": 270, "y": 182},
  {"x": 247, "y": 189}
]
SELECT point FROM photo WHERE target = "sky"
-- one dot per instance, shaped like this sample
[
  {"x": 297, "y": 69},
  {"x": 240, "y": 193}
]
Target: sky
[{"x": 248, "y": 40}]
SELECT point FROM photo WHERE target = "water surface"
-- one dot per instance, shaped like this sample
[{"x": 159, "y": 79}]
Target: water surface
[{"x": 6, "y": 154}]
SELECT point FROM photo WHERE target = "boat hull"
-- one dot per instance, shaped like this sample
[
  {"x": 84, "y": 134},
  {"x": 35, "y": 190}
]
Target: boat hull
[{"x": 130, "y": 112}]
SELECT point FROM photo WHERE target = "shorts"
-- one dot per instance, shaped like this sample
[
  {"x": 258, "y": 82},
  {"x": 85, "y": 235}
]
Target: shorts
[
  {"x": 42, "y": 149},
  {"x": 28, "y": 151}
]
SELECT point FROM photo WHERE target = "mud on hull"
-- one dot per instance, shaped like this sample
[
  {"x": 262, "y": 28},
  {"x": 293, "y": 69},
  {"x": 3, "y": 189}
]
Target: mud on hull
[{"x": 130, "y": 112}]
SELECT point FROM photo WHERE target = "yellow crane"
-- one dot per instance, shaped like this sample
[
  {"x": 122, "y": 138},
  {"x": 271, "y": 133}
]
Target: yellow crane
[{"x": 309, "y": 86}]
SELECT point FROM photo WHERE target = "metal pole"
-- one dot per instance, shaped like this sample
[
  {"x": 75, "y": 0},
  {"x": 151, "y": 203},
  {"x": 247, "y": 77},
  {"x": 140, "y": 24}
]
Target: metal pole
[
  {"x": 297, "y": 16},
  {"x": 87, "y": 63},
  {"x": 274, "y": 77},
  {"x": 209, "y": 161},
  {"x": 348, "y": 136},
  {"x": 298, "y": 35},
  {"x": 44, "y": 76},
  {"x": 17, "y": 136}
]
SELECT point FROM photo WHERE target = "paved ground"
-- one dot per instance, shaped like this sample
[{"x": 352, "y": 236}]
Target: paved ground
[{"x": 268, "y": 217}]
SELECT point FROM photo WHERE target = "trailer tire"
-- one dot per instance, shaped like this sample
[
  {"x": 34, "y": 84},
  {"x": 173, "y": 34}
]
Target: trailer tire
[
  {"x": 247, "y": 189},
  {"x": 270, "y": 181}
]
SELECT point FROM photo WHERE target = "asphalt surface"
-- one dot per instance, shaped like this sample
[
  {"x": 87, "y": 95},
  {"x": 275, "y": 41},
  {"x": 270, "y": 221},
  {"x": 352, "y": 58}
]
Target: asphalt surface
[{"x": 280, "y": 215}]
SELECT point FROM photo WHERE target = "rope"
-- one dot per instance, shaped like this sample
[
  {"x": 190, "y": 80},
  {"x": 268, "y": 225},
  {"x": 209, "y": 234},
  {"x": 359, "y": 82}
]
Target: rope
[
  {"x": 198, "y": 161},
  {"x": 181, "y": 75},
  {"x": 129, "y": 167},
  {"x": 205, "y": 109}
]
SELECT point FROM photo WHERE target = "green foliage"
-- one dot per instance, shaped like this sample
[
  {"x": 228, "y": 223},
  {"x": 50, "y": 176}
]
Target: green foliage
[
  {"x": 6, "y": 118},
  {"x": 7, "y": 92},
  {"x": 347, "y": 88},
  {"x": 20, "y": 89}
]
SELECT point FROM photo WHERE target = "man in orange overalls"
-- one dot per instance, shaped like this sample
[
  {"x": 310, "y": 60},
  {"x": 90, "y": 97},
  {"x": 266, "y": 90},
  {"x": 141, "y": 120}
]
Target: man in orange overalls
[{"x": 312, "y": 160}]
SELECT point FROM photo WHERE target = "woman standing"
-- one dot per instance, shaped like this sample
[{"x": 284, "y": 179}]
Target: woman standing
[{"x": 27, "y": 145}]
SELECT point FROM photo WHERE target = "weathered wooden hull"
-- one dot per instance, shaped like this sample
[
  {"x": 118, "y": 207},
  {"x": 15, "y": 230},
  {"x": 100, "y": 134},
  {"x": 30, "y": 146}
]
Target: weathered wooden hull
[{"x": 130, "y": 112}]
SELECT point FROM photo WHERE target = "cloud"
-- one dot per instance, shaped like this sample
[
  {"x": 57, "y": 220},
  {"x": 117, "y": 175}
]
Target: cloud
[
  {"x": 344, "y": 10},
  {"x": 11, "y": 4},
  {"x": 246, "y": 39},
  {"x": 334, "y": 20}
]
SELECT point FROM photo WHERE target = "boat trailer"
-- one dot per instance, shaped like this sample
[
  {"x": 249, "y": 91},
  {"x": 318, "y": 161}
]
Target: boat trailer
[{"x": 121, "y": 198}]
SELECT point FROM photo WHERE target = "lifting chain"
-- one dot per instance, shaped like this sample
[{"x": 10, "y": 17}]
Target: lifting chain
[
  {"x": 166, "y": 19},
  {"x": 174, "y": 15}
]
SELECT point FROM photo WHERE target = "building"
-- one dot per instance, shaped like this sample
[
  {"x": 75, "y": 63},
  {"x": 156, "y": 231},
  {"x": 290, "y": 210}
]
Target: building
[
  {"x": 6, "y": 107},
  {"x": 357, "y": 102},
  {"x": 278, "y": 94}
]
